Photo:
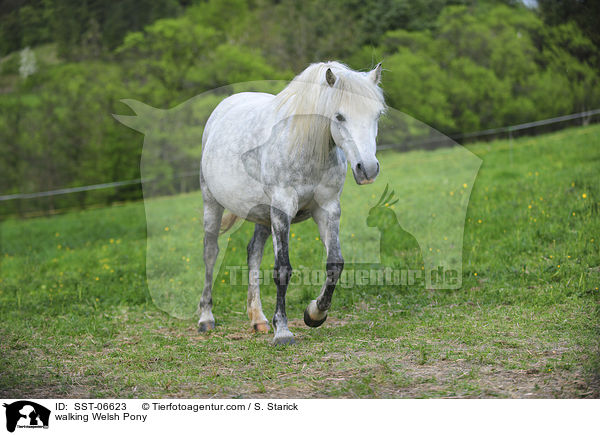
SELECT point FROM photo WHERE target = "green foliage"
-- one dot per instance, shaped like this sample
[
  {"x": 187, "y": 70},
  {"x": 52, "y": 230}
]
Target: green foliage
[
  {"x": 233, "y": 64},
  {"x": 581, "y": 14},
  {"x": 168, "y": 49},
  {"x": 186, "y": 54},
  {"x": 10, "y": 64},
  {"x": 59, "y": 132},
  {"x": 417, "y": 86},
  {"x": 228, "y": 17},
  {"x": 487, "y": 66},
  {"x": 81, "y": 29},
  {"x": 456, "y": 65},
  {"x": 293, "y": 34}
]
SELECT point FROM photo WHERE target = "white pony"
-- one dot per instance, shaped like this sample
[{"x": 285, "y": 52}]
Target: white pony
[{"x": 279, "y": 159}]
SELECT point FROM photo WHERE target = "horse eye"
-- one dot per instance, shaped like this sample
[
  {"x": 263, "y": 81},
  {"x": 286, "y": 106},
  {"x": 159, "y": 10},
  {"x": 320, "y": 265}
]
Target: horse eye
[{"x": 340, "y": 117}]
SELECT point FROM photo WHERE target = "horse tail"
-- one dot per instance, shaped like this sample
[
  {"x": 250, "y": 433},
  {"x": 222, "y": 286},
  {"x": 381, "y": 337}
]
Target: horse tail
[{"x": 228, "y": 221}]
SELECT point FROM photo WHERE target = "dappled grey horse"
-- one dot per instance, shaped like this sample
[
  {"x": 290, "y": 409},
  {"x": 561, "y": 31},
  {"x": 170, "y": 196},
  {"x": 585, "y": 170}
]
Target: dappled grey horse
[{"x": 279, "y": 159}]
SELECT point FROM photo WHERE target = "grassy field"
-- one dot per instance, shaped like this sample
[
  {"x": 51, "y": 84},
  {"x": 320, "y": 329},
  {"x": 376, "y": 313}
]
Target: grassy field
[{"x": 78, "y": 318}]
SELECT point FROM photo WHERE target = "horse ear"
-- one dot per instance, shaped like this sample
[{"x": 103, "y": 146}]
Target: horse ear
[
  {"x": 375, "y": 74},
  {"x": 330, "y": 77}
]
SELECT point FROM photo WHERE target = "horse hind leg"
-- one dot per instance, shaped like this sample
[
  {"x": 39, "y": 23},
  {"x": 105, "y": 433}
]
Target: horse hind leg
[
  {"x": 255, "y": 253},
  {"x": 213, "y": 214}
]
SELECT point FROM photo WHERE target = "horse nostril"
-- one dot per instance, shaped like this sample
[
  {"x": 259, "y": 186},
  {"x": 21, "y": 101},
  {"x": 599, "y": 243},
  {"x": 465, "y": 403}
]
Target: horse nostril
[{"x": 361, "y": 170}]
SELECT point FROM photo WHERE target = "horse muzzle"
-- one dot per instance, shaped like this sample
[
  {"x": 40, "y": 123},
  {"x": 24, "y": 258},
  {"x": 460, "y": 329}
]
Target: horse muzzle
[{"x": 365, "y": 172}]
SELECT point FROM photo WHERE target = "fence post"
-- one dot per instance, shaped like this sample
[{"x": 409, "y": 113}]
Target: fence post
[{"x": 510, "y": 145}]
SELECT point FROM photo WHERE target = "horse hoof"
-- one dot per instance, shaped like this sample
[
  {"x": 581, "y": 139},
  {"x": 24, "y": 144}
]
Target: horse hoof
[
  {"x": 314, "y": 317},
  {"x": 207, "y": 325},
  {"x": 261, "y": 327},
  {"x": 313, "y": 323},
  {"x": 284, "y": 340}
]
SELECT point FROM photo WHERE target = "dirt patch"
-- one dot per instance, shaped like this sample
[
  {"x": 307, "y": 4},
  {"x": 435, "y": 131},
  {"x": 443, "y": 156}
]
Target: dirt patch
[{"x": 356, "y": 368}]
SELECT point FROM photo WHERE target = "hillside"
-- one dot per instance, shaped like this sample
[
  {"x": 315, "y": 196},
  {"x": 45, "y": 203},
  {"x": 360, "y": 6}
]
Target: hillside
[{"x": 73, "y": 293}]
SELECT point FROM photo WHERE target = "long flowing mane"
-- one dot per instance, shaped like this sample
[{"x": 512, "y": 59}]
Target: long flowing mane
[{"x": 309, "y": 103}]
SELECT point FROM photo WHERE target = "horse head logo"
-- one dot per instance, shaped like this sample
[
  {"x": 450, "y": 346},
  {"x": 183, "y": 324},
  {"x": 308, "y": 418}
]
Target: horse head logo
[
  {"x": 418, "y": 219},
  {"x": 26, "y": 413}
]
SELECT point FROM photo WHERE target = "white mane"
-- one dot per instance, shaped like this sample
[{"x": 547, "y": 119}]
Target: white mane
[{"x": 310, "y": 103}]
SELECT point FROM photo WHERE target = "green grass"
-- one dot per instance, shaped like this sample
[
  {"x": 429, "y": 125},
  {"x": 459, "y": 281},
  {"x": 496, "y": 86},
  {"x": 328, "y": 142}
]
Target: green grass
[{"x": 79, "y": 320}]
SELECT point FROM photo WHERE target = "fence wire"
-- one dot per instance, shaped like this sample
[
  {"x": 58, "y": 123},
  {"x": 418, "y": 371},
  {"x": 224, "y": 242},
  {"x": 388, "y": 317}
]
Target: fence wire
[{"x": 482, "y": 133}]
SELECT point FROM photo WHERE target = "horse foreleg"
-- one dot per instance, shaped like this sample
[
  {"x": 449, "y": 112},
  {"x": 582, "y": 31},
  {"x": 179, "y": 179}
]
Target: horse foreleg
[
  {"x": 280, "y": 228},
  {"x": 328, "y": 221},
  {"x": 213, "y": 213},
  {"x": 255, "y": 252}
]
